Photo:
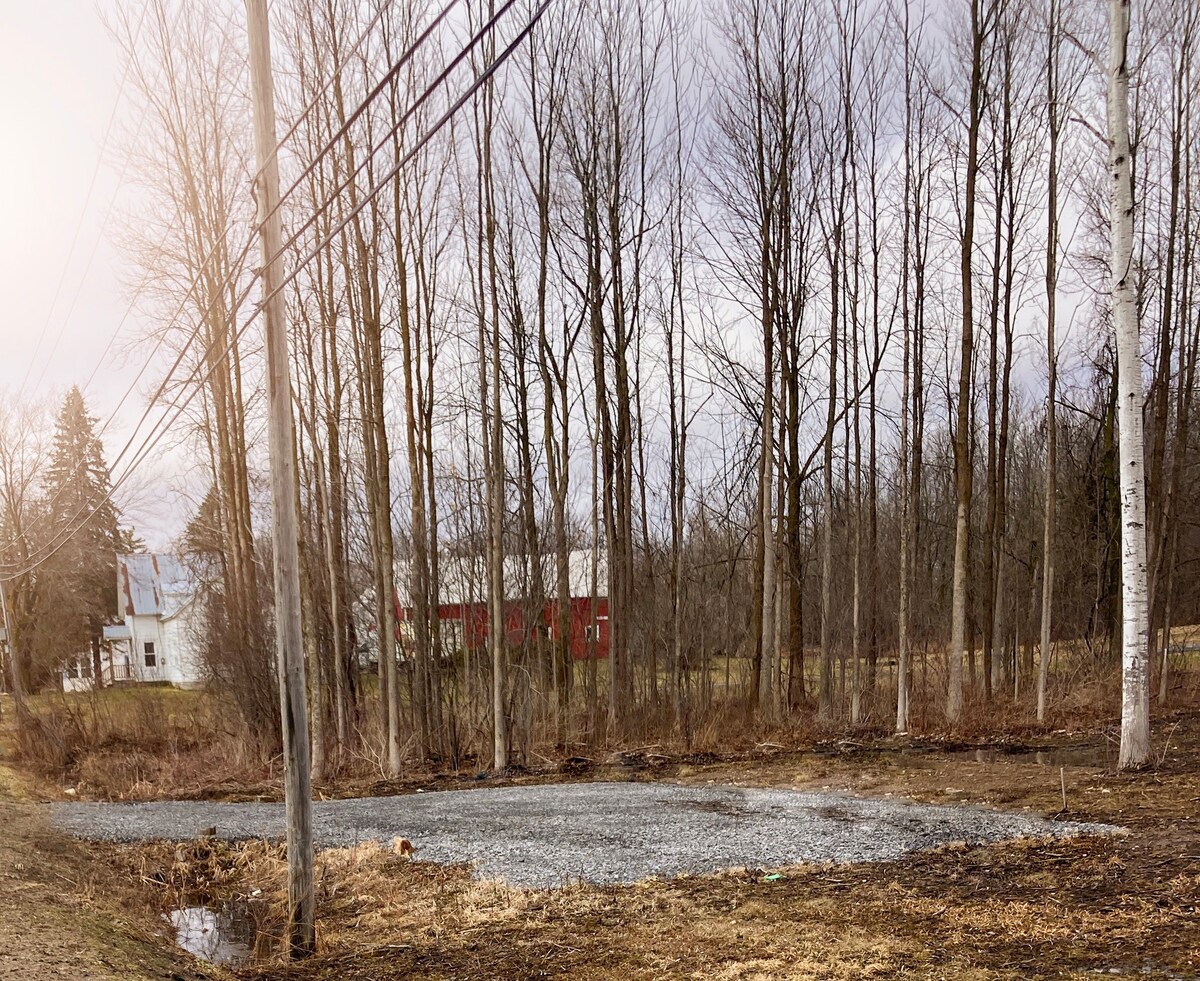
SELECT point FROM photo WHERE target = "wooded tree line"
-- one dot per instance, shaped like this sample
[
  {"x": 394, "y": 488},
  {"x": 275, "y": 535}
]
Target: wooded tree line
[
  {"x": 56, "y": 487},
  {"x": 795, "y": 312}
]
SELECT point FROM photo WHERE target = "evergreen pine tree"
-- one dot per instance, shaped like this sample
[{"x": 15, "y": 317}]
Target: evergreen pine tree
[{"x": 82, "y": 575}]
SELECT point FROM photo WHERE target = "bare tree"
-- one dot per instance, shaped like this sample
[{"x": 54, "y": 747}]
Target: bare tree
[{"x": 1135, "y": 705}]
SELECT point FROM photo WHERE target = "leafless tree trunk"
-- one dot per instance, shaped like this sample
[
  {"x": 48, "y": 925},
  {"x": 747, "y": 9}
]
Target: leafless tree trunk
[
  {"x": 981, "y": 19},
  {"x": 1135, "y": 705}
]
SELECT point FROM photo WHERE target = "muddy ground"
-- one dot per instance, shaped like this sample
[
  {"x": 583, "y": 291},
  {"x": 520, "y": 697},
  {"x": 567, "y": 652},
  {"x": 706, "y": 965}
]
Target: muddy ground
[
  {"x": 1127, "y": 905},
  {"x": 56, "y": 917}
]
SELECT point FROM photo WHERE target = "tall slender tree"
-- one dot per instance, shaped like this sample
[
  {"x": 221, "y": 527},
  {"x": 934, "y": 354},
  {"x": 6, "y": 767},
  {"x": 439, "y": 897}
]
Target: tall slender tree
[{"x": 1135, "y": 626}]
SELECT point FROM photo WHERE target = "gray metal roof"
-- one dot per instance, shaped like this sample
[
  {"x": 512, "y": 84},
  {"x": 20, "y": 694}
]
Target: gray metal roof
[{"x": 156, "y": 585}]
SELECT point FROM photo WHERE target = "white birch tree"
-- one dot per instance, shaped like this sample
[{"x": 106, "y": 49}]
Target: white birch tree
[{"x": 1135, "y": 628}]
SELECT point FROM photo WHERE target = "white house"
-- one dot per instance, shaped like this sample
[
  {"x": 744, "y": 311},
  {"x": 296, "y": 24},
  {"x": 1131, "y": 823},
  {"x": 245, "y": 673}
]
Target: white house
[{"x": 159, "y": 638}]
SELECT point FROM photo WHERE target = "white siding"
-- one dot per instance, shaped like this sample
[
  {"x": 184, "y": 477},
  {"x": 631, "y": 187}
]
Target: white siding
[
  {"x": 180, "y": 640},
  {"x": 145, "y": 630}
]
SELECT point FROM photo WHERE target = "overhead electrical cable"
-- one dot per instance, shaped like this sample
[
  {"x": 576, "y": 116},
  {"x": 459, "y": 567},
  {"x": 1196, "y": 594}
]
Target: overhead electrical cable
[
  {"x": 163, "y": 425},
  {"x": 237, "y": 265}
]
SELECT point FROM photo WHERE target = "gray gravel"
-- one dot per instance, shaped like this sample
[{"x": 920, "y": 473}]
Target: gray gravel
[{"x": 547, "y": 835}]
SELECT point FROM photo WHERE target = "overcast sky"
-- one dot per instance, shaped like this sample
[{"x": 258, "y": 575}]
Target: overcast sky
[
  {"x": 64, "y": 280},
  {"x": 59, "y": 77},
  {"x": 62, "y": 274}
]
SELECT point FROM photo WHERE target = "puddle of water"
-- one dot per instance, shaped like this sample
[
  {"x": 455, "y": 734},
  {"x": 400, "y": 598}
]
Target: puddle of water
[
  {"x": 1099, "y": 756},
  {"x": 227, "y": 934}
]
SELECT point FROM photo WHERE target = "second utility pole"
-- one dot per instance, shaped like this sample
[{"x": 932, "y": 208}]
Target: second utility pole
[{"x": 289, "y": 639}]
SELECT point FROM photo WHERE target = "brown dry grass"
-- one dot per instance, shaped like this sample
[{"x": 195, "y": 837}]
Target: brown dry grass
[
  {"x": 1028, "y": 909},
  {"x": 153, "y": 744},
  {"x": 62, "y": 914},
  {"x": 136, "y": 744}
]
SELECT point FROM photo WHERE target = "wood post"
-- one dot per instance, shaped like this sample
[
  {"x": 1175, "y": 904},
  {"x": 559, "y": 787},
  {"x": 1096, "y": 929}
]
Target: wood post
[{"x": 289, "y": 639}]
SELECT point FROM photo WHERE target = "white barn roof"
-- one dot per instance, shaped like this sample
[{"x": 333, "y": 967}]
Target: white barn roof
[{"x": 463, "y": 579}]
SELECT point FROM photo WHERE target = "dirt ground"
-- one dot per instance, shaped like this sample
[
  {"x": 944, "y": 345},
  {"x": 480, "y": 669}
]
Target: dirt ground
[
  {"x": 55, "y": 921},
  {"x": 1126, "y": 905}
]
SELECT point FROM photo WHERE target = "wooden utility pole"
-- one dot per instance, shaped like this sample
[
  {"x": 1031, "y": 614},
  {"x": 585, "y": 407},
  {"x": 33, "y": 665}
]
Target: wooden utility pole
[
  {"x": 10, "y": 647},
  {"x": 6, "y": 646},
  {"x": 289, "y": 640}
]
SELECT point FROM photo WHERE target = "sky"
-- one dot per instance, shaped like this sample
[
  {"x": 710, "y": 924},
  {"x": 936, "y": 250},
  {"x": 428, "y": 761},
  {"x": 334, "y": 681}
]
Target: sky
[
  {"x": 63, "y": 277},
  {"x": 61, "y": 272},
  {"x": 59, "y": 78}
]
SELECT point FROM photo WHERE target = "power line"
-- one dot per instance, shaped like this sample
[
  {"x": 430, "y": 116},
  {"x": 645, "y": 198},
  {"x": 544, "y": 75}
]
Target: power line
[
  {"x": 400, "y": 164},
  {"x": 161, "y": 428},
  {"x": 228, "y": 281},
  {"x": 300, "y": 118},
  {"x": 333, "y": 77},
  {"x": 362, "y": 107},
  {"x": 236, "y": 269},
  {"x": 325, "y": 150},
  {"x": 398, "y": 123}
]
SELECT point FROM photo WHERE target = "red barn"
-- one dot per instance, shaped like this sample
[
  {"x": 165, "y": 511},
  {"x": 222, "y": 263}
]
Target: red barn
[{"x": 463, "y": 610}]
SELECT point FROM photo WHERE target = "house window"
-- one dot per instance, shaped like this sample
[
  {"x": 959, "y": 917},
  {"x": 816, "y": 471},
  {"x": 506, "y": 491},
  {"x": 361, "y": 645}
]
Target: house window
[
  {"x": 151, "y": 657},
  {"x": 591, "y": 632}
]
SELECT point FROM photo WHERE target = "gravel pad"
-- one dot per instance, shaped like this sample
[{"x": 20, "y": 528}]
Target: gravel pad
[{"x": 548, "y": 834}]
